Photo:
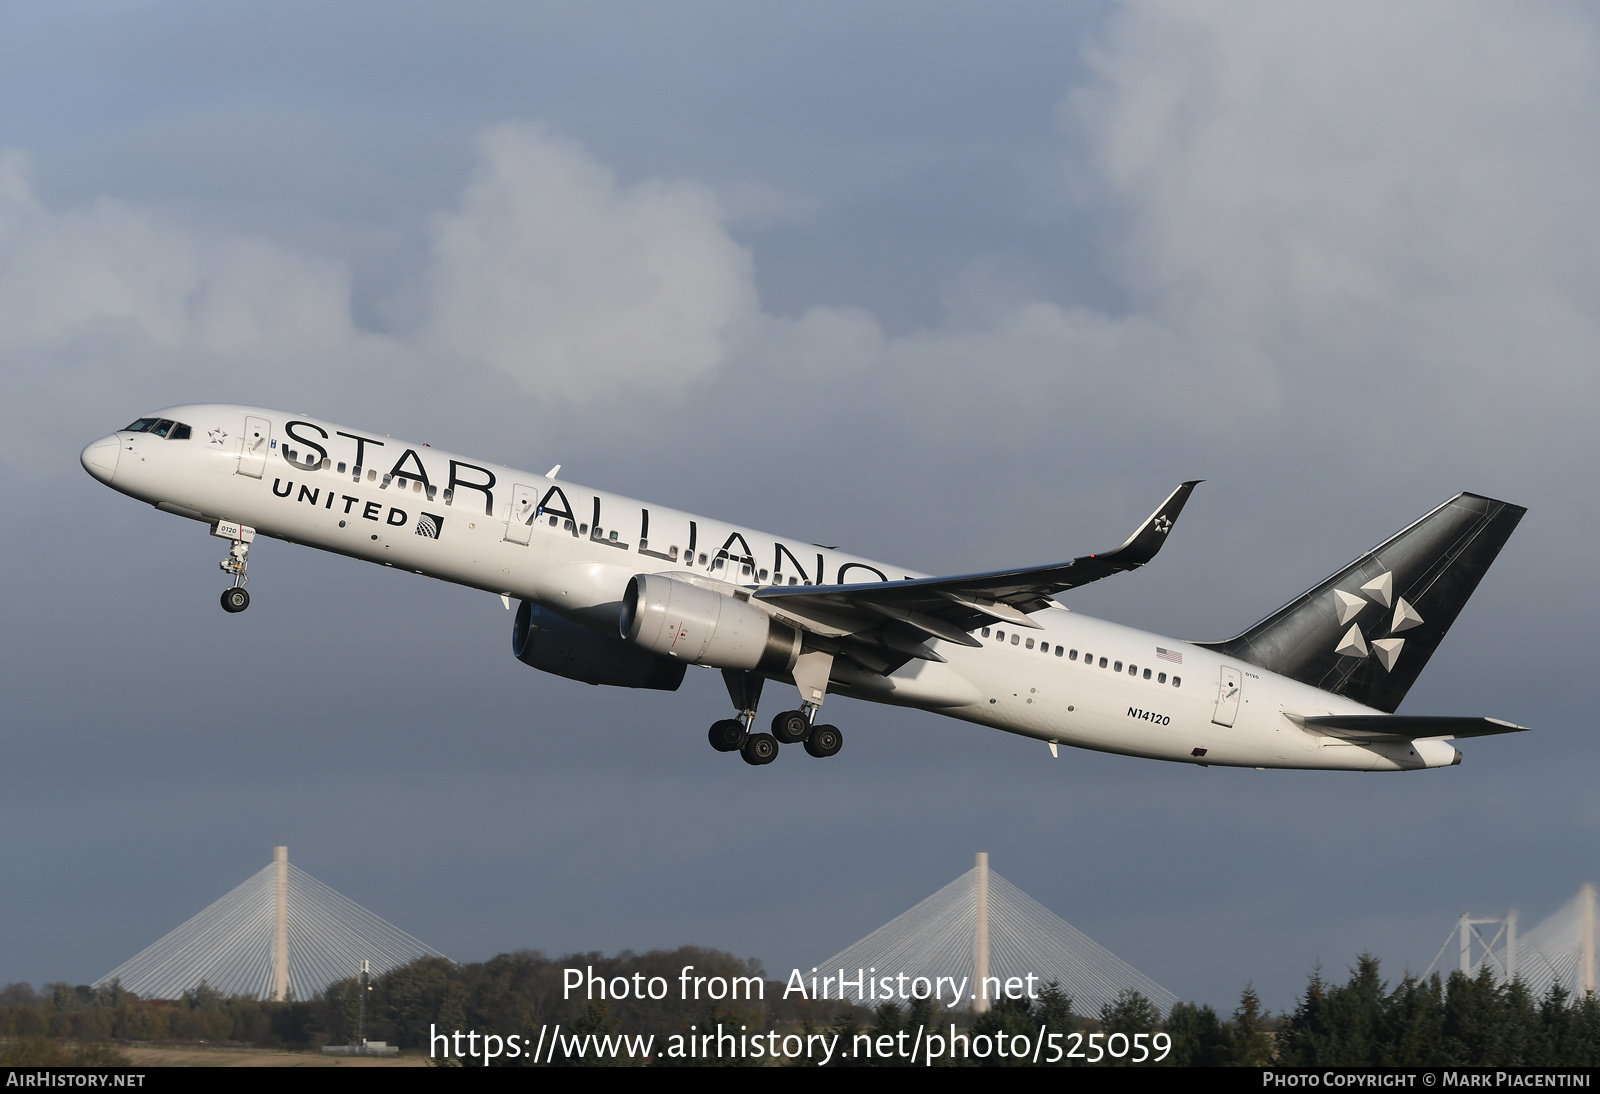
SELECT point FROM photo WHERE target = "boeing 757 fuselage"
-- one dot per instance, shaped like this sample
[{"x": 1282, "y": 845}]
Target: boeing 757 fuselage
[{"x": 626, "y": 593}]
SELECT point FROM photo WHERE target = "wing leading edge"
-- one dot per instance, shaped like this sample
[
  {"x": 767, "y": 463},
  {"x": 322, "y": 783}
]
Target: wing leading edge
[{"x": 908, "y": 612}]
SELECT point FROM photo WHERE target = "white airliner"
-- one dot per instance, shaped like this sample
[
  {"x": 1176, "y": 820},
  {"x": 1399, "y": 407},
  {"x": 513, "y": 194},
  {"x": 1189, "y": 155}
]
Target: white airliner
[{"x": 616, "y": 591}]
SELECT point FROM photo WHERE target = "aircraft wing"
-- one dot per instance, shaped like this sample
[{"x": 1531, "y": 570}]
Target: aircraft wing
[
  {"x": 1379, "y": 728},
  {"x": 948, "y": 607}
]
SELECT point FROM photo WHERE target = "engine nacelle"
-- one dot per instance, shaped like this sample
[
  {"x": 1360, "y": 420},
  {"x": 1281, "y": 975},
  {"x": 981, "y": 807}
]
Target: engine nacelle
[
  {"x": 552, "y": 643},
  {"x": 690, "y": 623}
]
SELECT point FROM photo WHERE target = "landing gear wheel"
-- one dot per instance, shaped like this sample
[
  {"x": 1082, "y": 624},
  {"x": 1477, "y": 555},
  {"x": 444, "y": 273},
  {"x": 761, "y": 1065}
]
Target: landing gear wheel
[
  {"x": 727, "y": 735},
  {"x": 235, "y": 600},
  {"x": 760, "y": 748},
  {"x": 790, "y": 727},
  {"x": 824, "y": 741}
]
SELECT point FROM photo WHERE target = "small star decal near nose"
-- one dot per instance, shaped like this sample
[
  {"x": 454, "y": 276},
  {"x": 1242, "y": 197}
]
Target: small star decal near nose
[{"x": 217, "y": 436}]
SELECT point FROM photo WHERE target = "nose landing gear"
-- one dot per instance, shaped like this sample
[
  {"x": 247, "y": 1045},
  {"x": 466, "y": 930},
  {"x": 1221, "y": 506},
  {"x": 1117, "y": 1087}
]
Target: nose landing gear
[{"x": 236, "y": 599}]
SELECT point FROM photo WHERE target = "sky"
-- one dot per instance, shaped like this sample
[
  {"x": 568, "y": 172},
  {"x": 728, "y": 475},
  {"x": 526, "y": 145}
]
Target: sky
[{"x": 958, "y": 287}]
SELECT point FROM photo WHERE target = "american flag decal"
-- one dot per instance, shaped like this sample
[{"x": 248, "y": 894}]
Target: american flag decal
[{"x": 1169, "y": 655}]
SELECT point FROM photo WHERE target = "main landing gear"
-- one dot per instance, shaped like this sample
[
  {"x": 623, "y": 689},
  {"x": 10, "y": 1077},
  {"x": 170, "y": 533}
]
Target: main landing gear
[
  {"x": 788, "y": 728},
  {"x": 236, "y": 599}
]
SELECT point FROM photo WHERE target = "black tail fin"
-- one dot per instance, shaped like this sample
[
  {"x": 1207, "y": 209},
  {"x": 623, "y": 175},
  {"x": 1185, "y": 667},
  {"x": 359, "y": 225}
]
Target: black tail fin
[{"x": 1367, "y": 631}]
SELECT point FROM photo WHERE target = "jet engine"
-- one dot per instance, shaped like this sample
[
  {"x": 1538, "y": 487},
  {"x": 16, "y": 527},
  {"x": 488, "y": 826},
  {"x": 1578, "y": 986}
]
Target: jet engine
[
  {"x": 553, "y": 643},
  {"x": 707, "y": 626}
]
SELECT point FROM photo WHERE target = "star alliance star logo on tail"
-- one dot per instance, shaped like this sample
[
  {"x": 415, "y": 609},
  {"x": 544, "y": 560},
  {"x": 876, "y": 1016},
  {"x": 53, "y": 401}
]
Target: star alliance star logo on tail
[{"x": 1380, "y": 590}]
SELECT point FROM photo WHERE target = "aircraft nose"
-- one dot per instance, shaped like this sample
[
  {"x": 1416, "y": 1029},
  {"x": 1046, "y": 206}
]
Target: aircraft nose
[{"x": 100, "y": 458}]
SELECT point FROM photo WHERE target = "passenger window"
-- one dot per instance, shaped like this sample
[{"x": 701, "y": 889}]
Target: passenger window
[
  {"x": 613, "y": 535},
  {"x": 371, "y": 474},
  {"x": 717, "y": 565},
  {"x": 986, "y": 632},
  {"x": 1014, "y": 638},
  {"x": 1072, "y": 655},
  {"x": 326, "y": 463},
  {"x": 448, "y": 495},
  {"x": 1133, "y": 670},
  {"x": 672, "y": 552},
  {"x": 432, "y": 490},
  {"x": 141, "y": 426},
  {"x": 341, "y": 467},
  {"x": 400, "y": 482},
  {"x": 416, "y": 487},
  {"x": 1161, "y": 678},
  {"x": 1147, "y": 674},
  {"x": 1000, "y": 636},
  {"x": 553, "y": 521},
  {"x": 1030, "y": 643},
  {"x": 583, "y": 529},
  {"x": 1102, "y": 662},
  {"x": 1177, "y": 681},
  {"x": 180, "y": 432},
  {"x": 795, "y": 580},
  {"x": 1116, "y": 667},
  {"x": 702, "y": 558}
]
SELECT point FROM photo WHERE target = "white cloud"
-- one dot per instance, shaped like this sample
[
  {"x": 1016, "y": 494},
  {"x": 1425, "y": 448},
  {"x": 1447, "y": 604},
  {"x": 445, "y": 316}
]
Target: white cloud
[
  {"x": 1369, "y": 202},
  {"x": 576, "y": 285},
  {"x": 65, "y": 274}
]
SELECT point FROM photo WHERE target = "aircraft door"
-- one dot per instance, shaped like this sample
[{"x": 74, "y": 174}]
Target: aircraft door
[
  {"x": 524, "y": 510},
  {"x": 1228, "y": 696},
  {"x": 253, "y": 450}
]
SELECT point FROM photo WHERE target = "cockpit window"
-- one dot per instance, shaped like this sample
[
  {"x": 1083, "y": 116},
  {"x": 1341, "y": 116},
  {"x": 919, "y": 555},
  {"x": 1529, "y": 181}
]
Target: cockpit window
[
  {"x": 141, "y": 426},
  {"x": 163, "y": 427},
  {"x": 180, "y": 432}
]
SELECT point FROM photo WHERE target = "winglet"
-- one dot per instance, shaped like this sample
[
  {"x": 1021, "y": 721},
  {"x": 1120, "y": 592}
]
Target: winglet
[{"x": 1142, "y": 546}]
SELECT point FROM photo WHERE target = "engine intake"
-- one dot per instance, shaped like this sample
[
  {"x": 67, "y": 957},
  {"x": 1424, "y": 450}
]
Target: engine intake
[
  {"x": 552, "y": 643},
  {"x": 673, "y": 618}
]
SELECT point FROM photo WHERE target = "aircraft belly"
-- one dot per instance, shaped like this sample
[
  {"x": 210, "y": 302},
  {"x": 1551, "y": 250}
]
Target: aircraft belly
[
  {"x": 923, "y": 684},
  {"x": 588, "y": 592}
]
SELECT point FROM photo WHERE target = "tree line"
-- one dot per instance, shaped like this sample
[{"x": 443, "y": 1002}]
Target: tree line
[{"x": 1363, "y": 1021}]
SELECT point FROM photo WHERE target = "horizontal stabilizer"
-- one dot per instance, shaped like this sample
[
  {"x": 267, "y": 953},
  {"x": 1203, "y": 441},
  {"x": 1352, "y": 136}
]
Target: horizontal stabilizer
[{"x": 1396, "y": 727}]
